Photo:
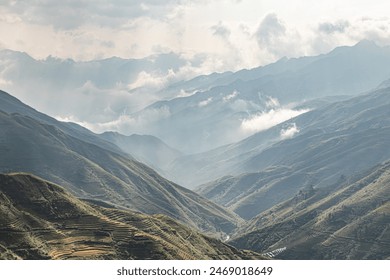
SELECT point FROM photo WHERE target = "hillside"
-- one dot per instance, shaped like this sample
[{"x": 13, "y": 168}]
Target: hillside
[
  {"x": 90, "y": 171},
  {"x": 40, "y": 220},
  {"x": 145, "y": 148},
  {"x": 342, "y": 139},
  {"x": 349, "y": 220},
  {"x": 9, "y": 104}
]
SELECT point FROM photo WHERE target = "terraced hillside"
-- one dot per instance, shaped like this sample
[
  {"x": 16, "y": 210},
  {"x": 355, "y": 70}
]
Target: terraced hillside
[
  {"x": 350, "y": 220},
  {"x": 40, "y": 220}
]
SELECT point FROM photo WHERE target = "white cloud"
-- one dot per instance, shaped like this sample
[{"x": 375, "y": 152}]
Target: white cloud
[
  {"x": 234, "y": 94},
  {"x": 145, "y": 79},
  {"x": 125, "y": 123},
  {"x": 245, "y": 34},
  {"x": 205, "y": 102},
  {"x": 330, "y": 28},
  {"x": 272, "y": 102},
  {"x": 265, "y": 120},
  {"x": 289, "y": 132},
  {"x": 221, "y": 30}
]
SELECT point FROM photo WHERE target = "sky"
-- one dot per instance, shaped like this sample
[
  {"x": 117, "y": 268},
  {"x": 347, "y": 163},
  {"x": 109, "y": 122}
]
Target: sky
[{"x": 225, "y": 34}]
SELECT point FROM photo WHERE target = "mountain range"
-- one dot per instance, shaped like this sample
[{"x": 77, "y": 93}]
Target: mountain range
[
  {"x": 288, "y": 160},
  {"x": 43, "y": 147},
  {"x": 228, "y": 107},
  {"x": 341, "y": 139}
]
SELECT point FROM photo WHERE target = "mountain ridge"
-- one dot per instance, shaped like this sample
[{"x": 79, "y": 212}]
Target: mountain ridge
[
  {"x": 349, "y": 220},
  {"x": 340, "y": 139}
]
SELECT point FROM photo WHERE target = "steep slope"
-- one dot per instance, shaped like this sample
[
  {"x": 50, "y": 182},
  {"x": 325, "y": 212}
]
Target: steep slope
[
  {"x": 40, "y": 220},
  {"x": 216, "y": 114},
  {"x": 89, "y": 171},
  {"x": 350, "y": 220},
  {"x": 145, "y": 148},
  {"x": 344, "y": 138},
  {"x": 10, "y": 104}
]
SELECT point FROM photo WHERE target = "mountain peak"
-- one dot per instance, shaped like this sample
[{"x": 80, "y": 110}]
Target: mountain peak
[{"x": 366, "y": 43}]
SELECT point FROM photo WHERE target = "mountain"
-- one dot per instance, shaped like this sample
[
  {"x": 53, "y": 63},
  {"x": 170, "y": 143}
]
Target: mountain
[
  {"x": 194, "y": 170},
  {"x": 88, "y": 170},
  {"x": 349, "y": 220},
  {"x": 228, "y": 107},
  {"x": 341, "y": 139},
  {"x": 10, "y": 105},
  {"x": 97, "y": 94},
  {"x": 40, "y": 220},
  {"x": 145, "y": 148}
]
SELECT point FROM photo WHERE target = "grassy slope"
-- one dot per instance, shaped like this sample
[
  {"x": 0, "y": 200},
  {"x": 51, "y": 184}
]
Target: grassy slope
[
  {"x": 347, "y": 221},
  {"x": 40, "y": 220},
  {"x": 89, "y": 171}
]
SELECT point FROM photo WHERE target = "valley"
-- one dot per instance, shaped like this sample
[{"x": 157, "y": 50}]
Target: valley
[{"x": 289, "y": 161}]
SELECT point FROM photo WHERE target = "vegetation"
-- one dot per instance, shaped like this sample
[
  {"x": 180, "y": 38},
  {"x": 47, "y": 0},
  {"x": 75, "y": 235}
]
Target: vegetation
[{"x": 40, "y": 220}]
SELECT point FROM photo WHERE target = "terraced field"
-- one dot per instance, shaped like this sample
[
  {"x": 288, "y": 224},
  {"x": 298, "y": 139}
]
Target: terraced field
[{"x": 40, "y": 220}]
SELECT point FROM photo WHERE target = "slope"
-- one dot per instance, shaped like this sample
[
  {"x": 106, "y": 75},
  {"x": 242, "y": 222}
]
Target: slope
[
  {"x": 145, "y": 148},
  {"x": 40, "y": 220},
  {"x": 343, "y": 138},
  {"x": 89, "y": 171},
  {"x": 10, "y": 104},
  {"x": 349, "y": 220}
]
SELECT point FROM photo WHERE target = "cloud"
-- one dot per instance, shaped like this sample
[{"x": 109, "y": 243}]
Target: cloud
[
  {"x": 289, "y": 132},
  {"x": 276, "y": 39},
  {"x": 339, "y": 26},
  {"x": 270, "y": 29},
  {"x": 234, "y": 94},
  {"x": 221, "y": 30},
  {"x": 266, "y": 120},
  {"x": 151, "y": 81},
  {"x": 70, "y": 14},
  {"x": 205, "y": 102},
  {"x": 272, "y": 102},
  {"x": 126, "y": 123}
]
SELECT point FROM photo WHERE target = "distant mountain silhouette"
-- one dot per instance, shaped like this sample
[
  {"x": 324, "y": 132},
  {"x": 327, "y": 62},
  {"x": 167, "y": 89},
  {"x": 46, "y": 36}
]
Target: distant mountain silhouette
[{"x": 213, "y": 114}]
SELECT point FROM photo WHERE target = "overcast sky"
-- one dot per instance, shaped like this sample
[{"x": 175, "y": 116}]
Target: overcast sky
[{"x": 226, "y": 34}]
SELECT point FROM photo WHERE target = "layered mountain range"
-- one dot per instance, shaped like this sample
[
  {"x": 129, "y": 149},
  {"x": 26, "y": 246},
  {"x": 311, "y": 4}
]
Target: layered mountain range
[
  {"x": 223, "y": 108},
  {"x": 92, "y": 168},
  {"x": 342, "y": 139},
  {"x": 290, "y": 160}
]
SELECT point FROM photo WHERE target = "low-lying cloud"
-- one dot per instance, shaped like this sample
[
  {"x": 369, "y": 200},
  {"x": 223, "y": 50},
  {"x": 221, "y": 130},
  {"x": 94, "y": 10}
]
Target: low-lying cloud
[
  {"x": 206, "y": 102},
  {"x": 289, "y": 132},
  {"x": 266, "y": 120}
]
